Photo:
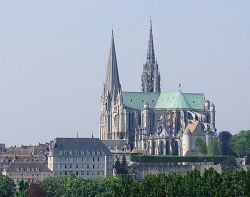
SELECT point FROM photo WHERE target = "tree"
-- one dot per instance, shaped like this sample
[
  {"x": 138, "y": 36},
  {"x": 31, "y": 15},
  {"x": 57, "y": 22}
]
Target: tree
[
  {"x": 224, "y": 138},
  {"x": 192, "y": 183},
  {"x": 201, "y": 146},
  {"x": 121, "y": 168},
  {"x": 23, "y": 187},
  {"x": 7, "y": 186},
  {"x": 124, "y": 161},
  {"x": 214, "y": 147},
  {"x": 211, "y": 182},
  {"x": 36, "y": 190},
  {"x": 53, "y": 186},
  {"x": 240, "y": 143}
]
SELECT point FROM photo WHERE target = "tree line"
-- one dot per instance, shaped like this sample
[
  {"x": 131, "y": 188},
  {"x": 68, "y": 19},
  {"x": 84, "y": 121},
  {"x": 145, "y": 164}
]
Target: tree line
[{"x": 193, "y": 183}]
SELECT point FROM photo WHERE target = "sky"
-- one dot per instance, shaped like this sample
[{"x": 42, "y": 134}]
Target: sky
[{"x": 54, "y": 54}]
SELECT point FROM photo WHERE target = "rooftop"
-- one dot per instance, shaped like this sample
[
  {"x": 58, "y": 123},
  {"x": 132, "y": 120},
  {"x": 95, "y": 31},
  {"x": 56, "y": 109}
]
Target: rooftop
[{"x": 165, "y": 100}]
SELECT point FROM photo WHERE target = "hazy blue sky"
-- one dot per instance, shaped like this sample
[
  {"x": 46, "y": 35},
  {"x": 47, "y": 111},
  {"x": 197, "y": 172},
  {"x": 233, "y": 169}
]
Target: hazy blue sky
[{"x": 53, "y": 57}]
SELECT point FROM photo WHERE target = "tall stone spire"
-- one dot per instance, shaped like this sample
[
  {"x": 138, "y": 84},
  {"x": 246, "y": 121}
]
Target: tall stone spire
[
  {"x": 150, "y": 51},
  {"x": 150, "y": 76},
  {"x": 112, "y": 82}
]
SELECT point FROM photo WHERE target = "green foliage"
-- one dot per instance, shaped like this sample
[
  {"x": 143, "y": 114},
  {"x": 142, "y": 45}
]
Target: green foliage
[
  {"x": 7, "y": 186},
  {"x": 240, "y": 143},
  {"x": 23, "y": 187},
  {"x": 214, "y": 147},
  {"x": 211, "y": 183},
  {"x": 121, "y": 168},
  {"x": 201, "y": 146},
  {"x": 177, "y": 159}
]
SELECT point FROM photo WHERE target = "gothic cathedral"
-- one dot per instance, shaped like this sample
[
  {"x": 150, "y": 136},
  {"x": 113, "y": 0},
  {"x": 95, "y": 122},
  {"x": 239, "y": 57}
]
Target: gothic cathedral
[{"x": 153, "y": 121}]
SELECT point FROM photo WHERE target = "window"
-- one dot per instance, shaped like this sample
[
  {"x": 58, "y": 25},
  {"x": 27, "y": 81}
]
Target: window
[
  {"x": 76, "y": 165},
  {"x": 87, "y": 166},
  {"x": 70, "y": 165},
  {"x": 76, "y": 173},
  {"x": 93, "y": 159},
  {"x": 93, "y": 166},
  {"x": 65, "y": 166}
]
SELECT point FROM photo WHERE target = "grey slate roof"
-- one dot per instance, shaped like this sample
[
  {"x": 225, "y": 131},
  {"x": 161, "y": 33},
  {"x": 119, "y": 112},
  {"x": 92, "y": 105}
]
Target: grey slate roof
[
  {"x": 120, "y": 143},
  {"x": 79, "y": 144},
  {"x": 28, "y": 166}
]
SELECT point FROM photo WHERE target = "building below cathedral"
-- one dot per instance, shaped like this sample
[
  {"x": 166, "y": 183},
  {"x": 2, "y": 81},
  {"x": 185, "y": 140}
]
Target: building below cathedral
[{"x": 153, "y": 121}]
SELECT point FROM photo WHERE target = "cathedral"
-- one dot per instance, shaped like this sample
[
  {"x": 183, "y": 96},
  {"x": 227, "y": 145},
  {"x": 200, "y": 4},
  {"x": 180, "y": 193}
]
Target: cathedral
[{"x": 153, "y": 121}]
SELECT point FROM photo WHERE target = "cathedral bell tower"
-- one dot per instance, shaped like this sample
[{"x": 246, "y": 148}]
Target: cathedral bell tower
[
  {"x": 150, "y": 76},
  {"x": 111, "y": 99}
]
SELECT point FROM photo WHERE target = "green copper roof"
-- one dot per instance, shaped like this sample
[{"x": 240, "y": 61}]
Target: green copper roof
[
  {"x": 165, "y": 100},
  {"x": 136, "y": 100},
  {"x": 196, "y": 100},
  {"x": 173, "y": 100}
]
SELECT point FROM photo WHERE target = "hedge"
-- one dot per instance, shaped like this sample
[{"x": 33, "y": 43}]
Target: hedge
[{"x": 176, "y": 159}]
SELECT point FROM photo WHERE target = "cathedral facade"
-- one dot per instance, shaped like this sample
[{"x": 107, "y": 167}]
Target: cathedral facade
[{"x": 153, "y": 121}]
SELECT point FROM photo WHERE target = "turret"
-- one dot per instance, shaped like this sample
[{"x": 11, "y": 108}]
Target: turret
[
  {"x": 212, "y": 116},
  {"x": 186, "y": 142},
  {"x": 207, "y": 105}
]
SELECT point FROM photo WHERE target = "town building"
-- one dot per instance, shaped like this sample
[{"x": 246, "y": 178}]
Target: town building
[
  {"x": 32, "y": 172},
  {"x": 83, "y": 157},
  {"x": 26, "y": 154},
  {"x": 119, "y": 148},
  {"x": 152, "y": 121}
]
